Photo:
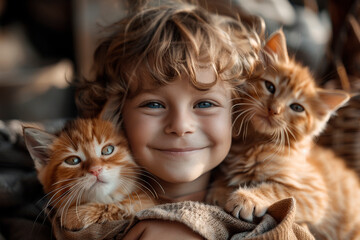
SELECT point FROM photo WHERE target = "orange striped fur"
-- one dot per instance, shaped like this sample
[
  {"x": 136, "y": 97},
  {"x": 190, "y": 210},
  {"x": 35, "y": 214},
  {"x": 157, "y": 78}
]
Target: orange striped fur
[
  {"x": 278, "y": 114},
  {"x": 87, "y": 173}
]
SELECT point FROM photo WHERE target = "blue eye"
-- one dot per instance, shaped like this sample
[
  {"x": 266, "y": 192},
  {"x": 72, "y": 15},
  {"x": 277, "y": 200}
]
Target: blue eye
[
  {"x": 204, "y": 105},
  {"x": 270, "y": 87},
  {"x": 107, "y": 150},
  {"x": 297, "y": 107},
  {"x": 72, "y": 160},
  {"x": 153, "y": 105}
]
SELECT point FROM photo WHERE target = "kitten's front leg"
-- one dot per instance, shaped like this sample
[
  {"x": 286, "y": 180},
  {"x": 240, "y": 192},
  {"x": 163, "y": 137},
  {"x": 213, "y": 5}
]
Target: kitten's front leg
[
  {"x": 78, "y": 217},
  {"x": 249, "y": 202},
  {"x": 245, "y": 203}
]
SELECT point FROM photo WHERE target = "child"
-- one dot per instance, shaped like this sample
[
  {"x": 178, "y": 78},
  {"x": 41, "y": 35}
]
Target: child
[{"x": 171, "y": 72}]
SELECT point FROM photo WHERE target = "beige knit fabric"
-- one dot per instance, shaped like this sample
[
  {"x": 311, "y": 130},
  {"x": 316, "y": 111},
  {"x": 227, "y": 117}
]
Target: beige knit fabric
[{"x": 209, "y": 221}]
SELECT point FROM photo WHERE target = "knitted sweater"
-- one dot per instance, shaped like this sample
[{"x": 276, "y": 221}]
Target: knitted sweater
[{"x": 210, "y": 222}]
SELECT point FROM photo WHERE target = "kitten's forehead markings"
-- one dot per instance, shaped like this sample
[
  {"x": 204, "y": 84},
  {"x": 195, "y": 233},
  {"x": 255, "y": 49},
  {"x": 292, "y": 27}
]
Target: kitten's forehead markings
[
  {"x": 97, "y": 147},
  {"x": 298, "y": 95},
  {"x": 267, "y": 77},
  {"x": 80, "y": 153},
  {"x": 277, "y": 80}
]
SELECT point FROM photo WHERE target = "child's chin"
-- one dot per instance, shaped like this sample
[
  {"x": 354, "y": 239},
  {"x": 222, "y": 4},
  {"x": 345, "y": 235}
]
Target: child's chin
[{"x": 182, "y": 178}]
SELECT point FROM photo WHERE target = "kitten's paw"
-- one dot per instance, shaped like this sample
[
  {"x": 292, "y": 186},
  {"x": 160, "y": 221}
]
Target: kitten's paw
[
  {"x": 78, "y": 217},
  {"x": 114, "y": 212},
  {"x": 75, "y": 218},
  {"x": 246, "y": 205}
]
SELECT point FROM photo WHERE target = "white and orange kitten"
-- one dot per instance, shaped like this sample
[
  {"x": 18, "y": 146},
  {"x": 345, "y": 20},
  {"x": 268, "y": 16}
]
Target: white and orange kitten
[
  {"x": 88, "y": 173},
  {"x": 278, "y": 114}
]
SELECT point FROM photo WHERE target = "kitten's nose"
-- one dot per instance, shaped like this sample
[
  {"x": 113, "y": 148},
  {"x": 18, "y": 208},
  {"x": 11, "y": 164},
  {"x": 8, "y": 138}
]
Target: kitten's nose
[
  {"x": 274, "y": 111},
  {"x": 95, "y": 171}
]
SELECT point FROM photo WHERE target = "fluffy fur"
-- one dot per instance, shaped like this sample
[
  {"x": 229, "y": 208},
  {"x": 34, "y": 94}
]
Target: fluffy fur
[
  {"x": 278, "y": 114},
  {"x": 87, "y": 173}
]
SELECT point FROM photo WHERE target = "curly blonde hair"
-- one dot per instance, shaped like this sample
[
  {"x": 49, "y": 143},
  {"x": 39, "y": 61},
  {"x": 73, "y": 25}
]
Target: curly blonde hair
[{"x": 158, "y": 44}]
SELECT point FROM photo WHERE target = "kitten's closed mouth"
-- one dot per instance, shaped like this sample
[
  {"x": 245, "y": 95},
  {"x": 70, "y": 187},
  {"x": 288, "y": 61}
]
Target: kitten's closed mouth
[
  {"x": 99, "y": 181},
  {"x": 264, "y": 120}
]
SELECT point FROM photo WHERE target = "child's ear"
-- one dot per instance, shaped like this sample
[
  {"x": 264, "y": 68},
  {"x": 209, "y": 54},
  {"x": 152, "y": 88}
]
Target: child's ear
[
  {"x": 38, "y": 143},
  {"x": 111, "y": 112},
  {"x": 276, "y": 45},
  {"x": 334, "y": 99}
]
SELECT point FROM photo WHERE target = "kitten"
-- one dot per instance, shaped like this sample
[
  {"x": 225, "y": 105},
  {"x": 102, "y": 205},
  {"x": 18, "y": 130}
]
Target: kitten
[
  {"x": 88, "y": 173},
  {"x": 279, "y": 112}
]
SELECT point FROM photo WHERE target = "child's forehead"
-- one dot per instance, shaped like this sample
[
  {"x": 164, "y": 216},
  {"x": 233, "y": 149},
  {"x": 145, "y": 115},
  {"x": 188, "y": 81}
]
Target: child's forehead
[
  {"x": 205, "y": 75},
  {"x": 204, "y": 80}
]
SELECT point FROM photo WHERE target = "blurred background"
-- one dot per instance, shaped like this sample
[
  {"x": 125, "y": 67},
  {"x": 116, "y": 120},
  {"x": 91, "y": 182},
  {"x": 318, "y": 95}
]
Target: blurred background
[{"x": 45, "y": 44}]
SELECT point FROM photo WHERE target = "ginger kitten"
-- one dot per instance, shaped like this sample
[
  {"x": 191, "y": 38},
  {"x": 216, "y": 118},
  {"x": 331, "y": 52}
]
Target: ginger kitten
[
  {"x": 279, "y": 112},
  {"x": 88, "y": 173}
]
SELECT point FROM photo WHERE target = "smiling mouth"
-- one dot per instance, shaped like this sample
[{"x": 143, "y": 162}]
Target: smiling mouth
[{"x": 179, "y": 150}]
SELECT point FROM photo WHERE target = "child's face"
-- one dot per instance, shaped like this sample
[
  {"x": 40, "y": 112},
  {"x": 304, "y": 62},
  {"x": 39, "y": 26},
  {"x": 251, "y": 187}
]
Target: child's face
[{"x": 177, "y": 132}]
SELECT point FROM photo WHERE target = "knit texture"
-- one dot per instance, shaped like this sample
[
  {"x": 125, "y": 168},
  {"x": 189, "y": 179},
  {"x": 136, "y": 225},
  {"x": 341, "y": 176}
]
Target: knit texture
[{"x": 211, "y": 222}]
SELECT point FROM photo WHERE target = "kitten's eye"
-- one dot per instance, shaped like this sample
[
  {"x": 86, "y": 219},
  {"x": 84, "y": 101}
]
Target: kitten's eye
[
  {"x": 270, "y": 87},
  {"x": 73, "y": 160},
  {"x": 107, "y": 150},
  {"x": 297, "y": 107}
]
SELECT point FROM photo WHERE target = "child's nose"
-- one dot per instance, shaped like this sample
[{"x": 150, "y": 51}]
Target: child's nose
[{"x": 180, "y": 122}]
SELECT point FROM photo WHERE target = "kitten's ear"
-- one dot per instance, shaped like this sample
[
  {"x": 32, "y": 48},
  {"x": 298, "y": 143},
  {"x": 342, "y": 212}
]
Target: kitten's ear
[
  {"x": 334, "y": 99},
  {"x": 38, "y": 143},
  {"x": 276, "y": 44},
  {"x": 111, "y": 112}
]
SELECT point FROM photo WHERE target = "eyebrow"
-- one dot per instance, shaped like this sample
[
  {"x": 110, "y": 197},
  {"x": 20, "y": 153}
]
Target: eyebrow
[{"x": 155, "y": 90}]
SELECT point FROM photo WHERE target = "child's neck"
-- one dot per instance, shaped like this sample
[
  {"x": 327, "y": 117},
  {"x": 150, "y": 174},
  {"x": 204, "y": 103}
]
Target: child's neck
[{"x": 194, "y": 190}]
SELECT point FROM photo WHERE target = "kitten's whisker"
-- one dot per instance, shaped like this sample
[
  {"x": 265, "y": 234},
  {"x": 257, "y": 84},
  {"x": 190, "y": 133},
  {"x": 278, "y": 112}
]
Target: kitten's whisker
[
  {"x": 139, "y": 187},
  {"x": 251, "y": 104},
  {"x": 156, "y": 181},
  {"x": 56, "y": 189},
  {"x": 154, "y": 195},
  {"x": 248, "y": 95},
  {"x": 291, "y": 132},
  {"x": 244, "y": 119},
  {"x": 145, "y": 174},
  {"x": 247, "y": 123},
  {"x": 65, "y": 195},
  {"x": 276, "y": 140},
  {"x": 254, "y": 88},
  {"x": 65, "y": 180},
  {"x": 281, "y": 143},
  {"x": 149, "y": 175},
  {"x": 150, "y": 186},
  {"x": 40, "y": 147},
  {"x": 257, "y": 103},
  {"x": 288, "y": 140},
  {"x": 68, "y": 202},
  {"x": 125, "y": 180},
  {"x": 138, "y": 197},
  {"x": 78, "y": 200}
]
